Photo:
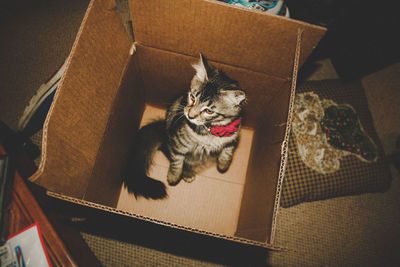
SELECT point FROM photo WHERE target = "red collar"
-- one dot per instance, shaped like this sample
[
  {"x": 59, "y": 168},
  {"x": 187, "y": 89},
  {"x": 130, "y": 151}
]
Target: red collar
[{"x": 227, "y": 130}]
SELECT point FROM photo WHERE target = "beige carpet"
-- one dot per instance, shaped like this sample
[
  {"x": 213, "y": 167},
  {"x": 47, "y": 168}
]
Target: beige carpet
[{"x": 359, "y": 230}]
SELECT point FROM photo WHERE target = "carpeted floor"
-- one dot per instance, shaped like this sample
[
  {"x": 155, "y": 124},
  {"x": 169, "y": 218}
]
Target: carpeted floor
[{"x": 361, "y": 230}]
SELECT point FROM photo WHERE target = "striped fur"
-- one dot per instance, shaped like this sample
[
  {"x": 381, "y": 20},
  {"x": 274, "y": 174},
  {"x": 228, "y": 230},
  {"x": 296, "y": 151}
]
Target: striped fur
[{"x": 213, "y": 100}]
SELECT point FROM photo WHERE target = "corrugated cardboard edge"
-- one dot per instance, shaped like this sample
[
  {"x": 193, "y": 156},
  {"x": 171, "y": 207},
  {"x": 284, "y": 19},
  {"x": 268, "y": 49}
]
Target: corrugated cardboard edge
[
  {"x": 284, "y": 152},
  {"x": 42, "y": 164},
  {"x": 163, "y": 223},
  {"x": 269, "y": 245},
  {"x": 107, "y": 5}
]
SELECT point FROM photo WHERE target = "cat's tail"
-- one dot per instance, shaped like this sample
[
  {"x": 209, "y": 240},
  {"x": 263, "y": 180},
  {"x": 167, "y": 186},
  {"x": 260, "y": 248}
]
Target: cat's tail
[{"x": 148, "y": 140}]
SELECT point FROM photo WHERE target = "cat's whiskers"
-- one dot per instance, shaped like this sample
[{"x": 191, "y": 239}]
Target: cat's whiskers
[{"x": 177, "y": 119}]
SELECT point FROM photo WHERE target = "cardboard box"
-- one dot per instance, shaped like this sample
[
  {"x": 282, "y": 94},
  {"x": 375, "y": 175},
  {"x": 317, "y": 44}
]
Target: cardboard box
[{"x": 110, "y": 80}]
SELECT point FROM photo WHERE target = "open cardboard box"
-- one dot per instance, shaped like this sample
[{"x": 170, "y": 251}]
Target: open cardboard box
[{"x": 111, "y": 81}]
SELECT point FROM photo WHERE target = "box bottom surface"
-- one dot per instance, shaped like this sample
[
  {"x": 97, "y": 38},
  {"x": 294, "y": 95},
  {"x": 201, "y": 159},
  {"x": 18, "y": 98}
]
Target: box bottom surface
[{"x": 210, "y": 203}]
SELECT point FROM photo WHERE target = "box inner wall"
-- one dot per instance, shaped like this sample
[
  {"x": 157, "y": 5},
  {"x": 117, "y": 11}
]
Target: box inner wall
[{"x": 156, "y": 77}]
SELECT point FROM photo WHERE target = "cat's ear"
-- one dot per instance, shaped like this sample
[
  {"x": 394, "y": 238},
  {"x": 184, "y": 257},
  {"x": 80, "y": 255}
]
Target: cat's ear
[
  {"x": 204, "y": 70},
  {"x": 236, "y": 97}
]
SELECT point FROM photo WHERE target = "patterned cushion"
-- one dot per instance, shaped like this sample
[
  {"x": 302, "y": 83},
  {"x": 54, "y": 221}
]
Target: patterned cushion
[{"x": 333, "y": 149}]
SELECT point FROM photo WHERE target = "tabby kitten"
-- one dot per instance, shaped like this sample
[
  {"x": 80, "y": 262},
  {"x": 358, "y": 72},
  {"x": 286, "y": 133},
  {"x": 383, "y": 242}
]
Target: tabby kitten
[{"x": 202, "y": 124}]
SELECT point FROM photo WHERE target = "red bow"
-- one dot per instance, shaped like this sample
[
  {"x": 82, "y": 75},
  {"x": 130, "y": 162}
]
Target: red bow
[{"x": 228, "y": 130}]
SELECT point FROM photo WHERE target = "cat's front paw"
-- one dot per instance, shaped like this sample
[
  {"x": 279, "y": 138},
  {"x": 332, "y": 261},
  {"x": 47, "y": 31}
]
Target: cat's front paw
[
  {"x": 188, "y": 174},
  {"x": 223, "y": 165},
  {"x": 172, "y": 178},
  {"x": 189, "y": 179}
]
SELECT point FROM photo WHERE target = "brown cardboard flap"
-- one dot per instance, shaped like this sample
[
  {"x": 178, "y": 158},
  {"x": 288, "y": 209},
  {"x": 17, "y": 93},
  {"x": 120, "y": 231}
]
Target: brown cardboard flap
[
  {"x": 79, "y": 113},
  {"x": 224, "y": 33}
]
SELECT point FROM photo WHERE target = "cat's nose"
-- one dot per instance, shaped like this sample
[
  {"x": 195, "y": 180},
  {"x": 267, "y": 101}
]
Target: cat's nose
[{"x": 191, "y": 114}]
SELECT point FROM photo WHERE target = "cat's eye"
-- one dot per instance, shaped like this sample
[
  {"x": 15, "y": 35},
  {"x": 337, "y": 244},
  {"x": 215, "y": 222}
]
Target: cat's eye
[
  {"x": 192, "y": 98},
  {"x": 209, "y": 111}
]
